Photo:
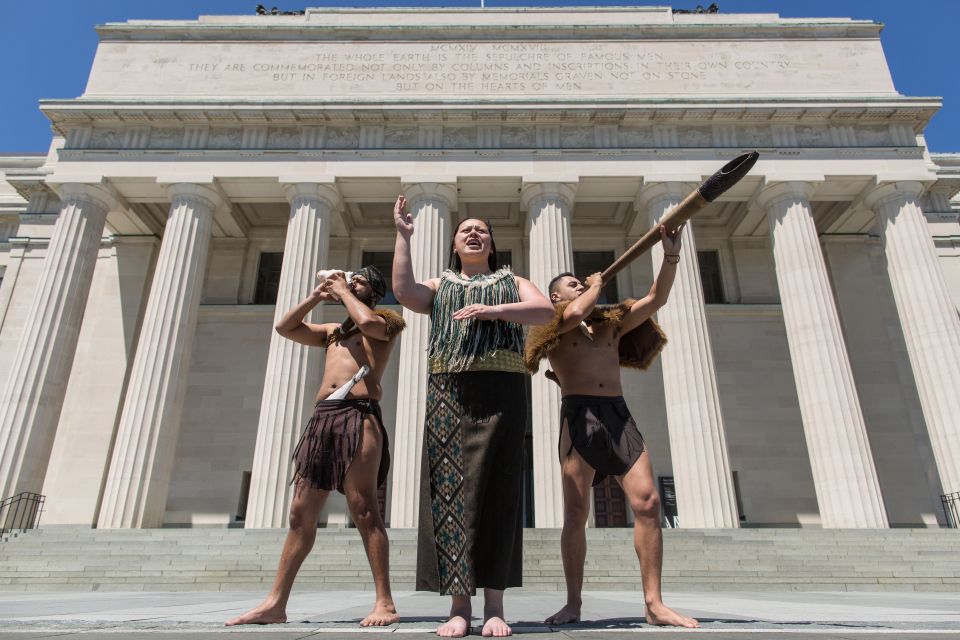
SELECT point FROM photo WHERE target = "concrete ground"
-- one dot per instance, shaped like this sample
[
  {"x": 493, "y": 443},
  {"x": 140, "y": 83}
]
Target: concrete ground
[{"x": 607, "y": 615}]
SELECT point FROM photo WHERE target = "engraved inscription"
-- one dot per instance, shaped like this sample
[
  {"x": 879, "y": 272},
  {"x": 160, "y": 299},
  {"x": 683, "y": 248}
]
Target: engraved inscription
[
  {"x": 493, "y": 68},
  {"x": 455, "y": 70}
]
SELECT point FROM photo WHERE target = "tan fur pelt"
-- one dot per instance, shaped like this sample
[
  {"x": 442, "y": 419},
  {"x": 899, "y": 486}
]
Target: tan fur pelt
[
  {"x": 395, "y": 324},
  {"x": 638, "y": 347}
]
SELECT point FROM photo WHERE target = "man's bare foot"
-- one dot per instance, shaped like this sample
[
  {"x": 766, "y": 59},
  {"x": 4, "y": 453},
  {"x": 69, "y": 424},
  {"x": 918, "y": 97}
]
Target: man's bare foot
[
  {"x": 383, "y": 614},
  {"x": 495, "y": 627},
  {"x": 456, "y": 627},
  {"x": 660, "y": 614},
  {"x": 569, "y": 613},
  {"x": 263, "y": 614}
]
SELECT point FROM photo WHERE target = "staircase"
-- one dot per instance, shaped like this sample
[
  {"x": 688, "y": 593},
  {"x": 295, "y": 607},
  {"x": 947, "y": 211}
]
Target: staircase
[{"x": 75, "y": 559}]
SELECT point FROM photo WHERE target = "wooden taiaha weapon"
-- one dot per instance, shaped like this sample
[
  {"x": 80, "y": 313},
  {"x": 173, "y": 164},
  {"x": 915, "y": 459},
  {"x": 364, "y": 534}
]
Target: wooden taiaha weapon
[{"x": 729, "y": 175}]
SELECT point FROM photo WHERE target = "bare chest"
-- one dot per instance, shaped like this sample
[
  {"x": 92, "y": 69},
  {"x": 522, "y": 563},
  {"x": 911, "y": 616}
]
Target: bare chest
[{"x": 595, "y": 339}]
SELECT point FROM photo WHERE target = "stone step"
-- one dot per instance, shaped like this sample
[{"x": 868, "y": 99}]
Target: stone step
[{"x": 239, "y": 559}]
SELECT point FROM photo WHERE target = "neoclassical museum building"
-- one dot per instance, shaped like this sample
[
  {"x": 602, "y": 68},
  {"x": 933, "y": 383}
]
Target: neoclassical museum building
[{"x": 211, "y": 166}]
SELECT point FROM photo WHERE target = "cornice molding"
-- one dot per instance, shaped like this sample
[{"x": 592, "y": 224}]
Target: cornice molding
[
  {"x": 916, "y": 112},
  {"x": 504, "y": 23}
]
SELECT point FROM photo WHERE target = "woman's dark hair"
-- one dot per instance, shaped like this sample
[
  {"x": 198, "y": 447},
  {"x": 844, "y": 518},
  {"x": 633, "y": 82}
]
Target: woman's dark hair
[{"x": 456, "y": 264}]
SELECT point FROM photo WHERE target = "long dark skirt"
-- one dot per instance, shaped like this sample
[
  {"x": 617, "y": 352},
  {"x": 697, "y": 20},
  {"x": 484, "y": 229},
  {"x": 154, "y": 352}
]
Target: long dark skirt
[{"x": 471, "y": 528}]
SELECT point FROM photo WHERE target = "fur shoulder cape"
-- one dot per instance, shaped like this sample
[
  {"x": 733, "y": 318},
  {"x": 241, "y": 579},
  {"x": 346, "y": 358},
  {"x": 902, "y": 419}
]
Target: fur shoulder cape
[
  {"x": 395, "y": 324},
  {"x": 638, "y": 348}
]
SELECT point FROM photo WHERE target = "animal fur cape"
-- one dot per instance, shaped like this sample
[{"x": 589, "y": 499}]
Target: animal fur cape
[{"x": 638, "y": 347}]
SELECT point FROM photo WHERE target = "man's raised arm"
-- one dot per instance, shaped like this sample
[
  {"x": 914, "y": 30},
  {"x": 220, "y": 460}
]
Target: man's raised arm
[
  {"x": 581, "y": 308},
  {"x": 292, "y": 327},
  {"x": 644, "y": 308}
]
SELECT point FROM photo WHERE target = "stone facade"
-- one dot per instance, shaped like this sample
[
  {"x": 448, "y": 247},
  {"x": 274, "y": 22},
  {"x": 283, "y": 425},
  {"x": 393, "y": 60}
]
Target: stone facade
[{"x": 815, "y": 334}]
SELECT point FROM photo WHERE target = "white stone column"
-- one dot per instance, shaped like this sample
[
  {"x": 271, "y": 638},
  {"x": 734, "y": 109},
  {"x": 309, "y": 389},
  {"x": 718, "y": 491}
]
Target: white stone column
[
  {"x": 33, "y": 395},
  {"x": 931, "y": 328},
  {"x": 138, "y": 481},
  {"x": 844, "y": 475},
  {"x": 701, "y": 467},
  {"x": 431, "y": 204},
  {"x": 293, "y": 369},
  {"x": 548, "y": 206}
]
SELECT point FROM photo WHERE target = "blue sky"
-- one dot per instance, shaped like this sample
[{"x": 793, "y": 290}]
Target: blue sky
[{"x": 48, "y": 46}]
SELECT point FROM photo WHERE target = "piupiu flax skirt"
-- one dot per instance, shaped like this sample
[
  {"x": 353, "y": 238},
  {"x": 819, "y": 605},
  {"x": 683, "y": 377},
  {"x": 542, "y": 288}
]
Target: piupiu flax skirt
[
  {"x": 471, "y": 527},
  {"x": 331, "y": 440}
]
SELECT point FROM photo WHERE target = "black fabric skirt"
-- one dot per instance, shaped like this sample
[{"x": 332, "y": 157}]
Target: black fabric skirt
[
  {"x": 471, "y": 498},
  {"x": 603, "y": 432}
]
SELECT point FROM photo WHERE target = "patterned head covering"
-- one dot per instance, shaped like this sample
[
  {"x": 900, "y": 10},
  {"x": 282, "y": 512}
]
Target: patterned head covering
[{"x": 377, "y": 282}]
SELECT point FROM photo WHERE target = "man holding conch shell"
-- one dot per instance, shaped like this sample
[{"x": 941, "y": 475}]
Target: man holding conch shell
[{"x": 344, "y": 446}]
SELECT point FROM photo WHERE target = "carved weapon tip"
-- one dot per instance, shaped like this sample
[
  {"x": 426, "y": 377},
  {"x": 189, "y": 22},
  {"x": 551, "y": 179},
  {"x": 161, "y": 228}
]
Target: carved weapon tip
[{"x": 728, "y": 175}]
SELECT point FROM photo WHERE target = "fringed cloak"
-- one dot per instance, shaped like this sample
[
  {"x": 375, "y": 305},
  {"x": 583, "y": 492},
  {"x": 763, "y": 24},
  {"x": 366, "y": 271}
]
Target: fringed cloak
[
  {"x": 456, "y": 344},
  {"x": 638, "y": 347}
]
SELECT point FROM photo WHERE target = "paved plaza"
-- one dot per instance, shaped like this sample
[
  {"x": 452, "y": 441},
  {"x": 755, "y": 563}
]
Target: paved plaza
[{"x": 608, "y": 615}]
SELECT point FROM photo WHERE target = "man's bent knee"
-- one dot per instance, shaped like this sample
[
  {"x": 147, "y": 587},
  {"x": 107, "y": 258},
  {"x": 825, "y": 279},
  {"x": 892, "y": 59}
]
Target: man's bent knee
[
  {"x": 365, "y": 515},
  {"x": 646, "y": 505},
  {"x": 300, "y": 520}
]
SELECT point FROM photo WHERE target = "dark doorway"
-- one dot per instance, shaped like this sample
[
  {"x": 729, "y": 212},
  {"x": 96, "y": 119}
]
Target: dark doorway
[{"x": 609, "y": 504}]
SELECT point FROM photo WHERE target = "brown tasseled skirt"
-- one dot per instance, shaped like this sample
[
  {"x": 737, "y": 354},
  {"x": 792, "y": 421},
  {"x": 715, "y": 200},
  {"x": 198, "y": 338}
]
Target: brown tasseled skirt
[{"x": 331, "y": 440}]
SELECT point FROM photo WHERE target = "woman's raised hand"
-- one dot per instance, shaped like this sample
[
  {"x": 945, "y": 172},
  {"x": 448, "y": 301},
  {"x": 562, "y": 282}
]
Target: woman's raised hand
[{"x": 402, "y": 218}]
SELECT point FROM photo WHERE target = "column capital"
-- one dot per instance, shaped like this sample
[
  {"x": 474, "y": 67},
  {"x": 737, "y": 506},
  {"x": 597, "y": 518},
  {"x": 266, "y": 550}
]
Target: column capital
[
  {"x": 417, "y": 190},
  {"x": 325, "y": 191},
  {"x": 100, "y": 194},
  {"x": 792, "y": 189},
  {"x": 893, "y": 190},
  {"x": 206, "y": 195},
  {"x": 653, "y": 192},
  {"x": 535, "y": 190},
  {"x": 39, "y": 197}
]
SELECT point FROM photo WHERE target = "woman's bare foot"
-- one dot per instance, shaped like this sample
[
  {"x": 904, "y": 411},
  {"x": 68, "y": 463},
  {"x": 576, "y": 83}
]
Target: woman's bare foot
[
  {"x": 495, "y": 627},
  {"x": 265, "y": 613},
  {"x": 456, "y": 627},
  {"x": 569, "y": 613},
  {"x": 660, "y": 614},
  {"x": 383, "y": 614}
]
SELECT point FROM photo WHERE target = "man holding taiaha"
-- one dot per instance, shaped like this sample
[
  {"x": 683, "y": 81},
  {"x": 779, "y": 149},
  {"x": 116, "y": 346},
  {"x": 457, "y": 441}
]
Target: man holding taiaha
[
  {"x": 344, "y": 446},
  {"x": 586, "y": 345},
  {"x": 471, "y": 529}
]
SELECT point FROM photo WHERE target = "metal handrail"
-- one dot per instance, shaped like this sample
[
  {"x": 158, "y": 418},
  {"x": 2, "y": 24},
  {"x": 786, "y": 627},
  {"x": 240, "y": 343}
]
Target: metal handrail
[
  {"x": 21, "y": 512},
  {"x": 951, "y": 508}
]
